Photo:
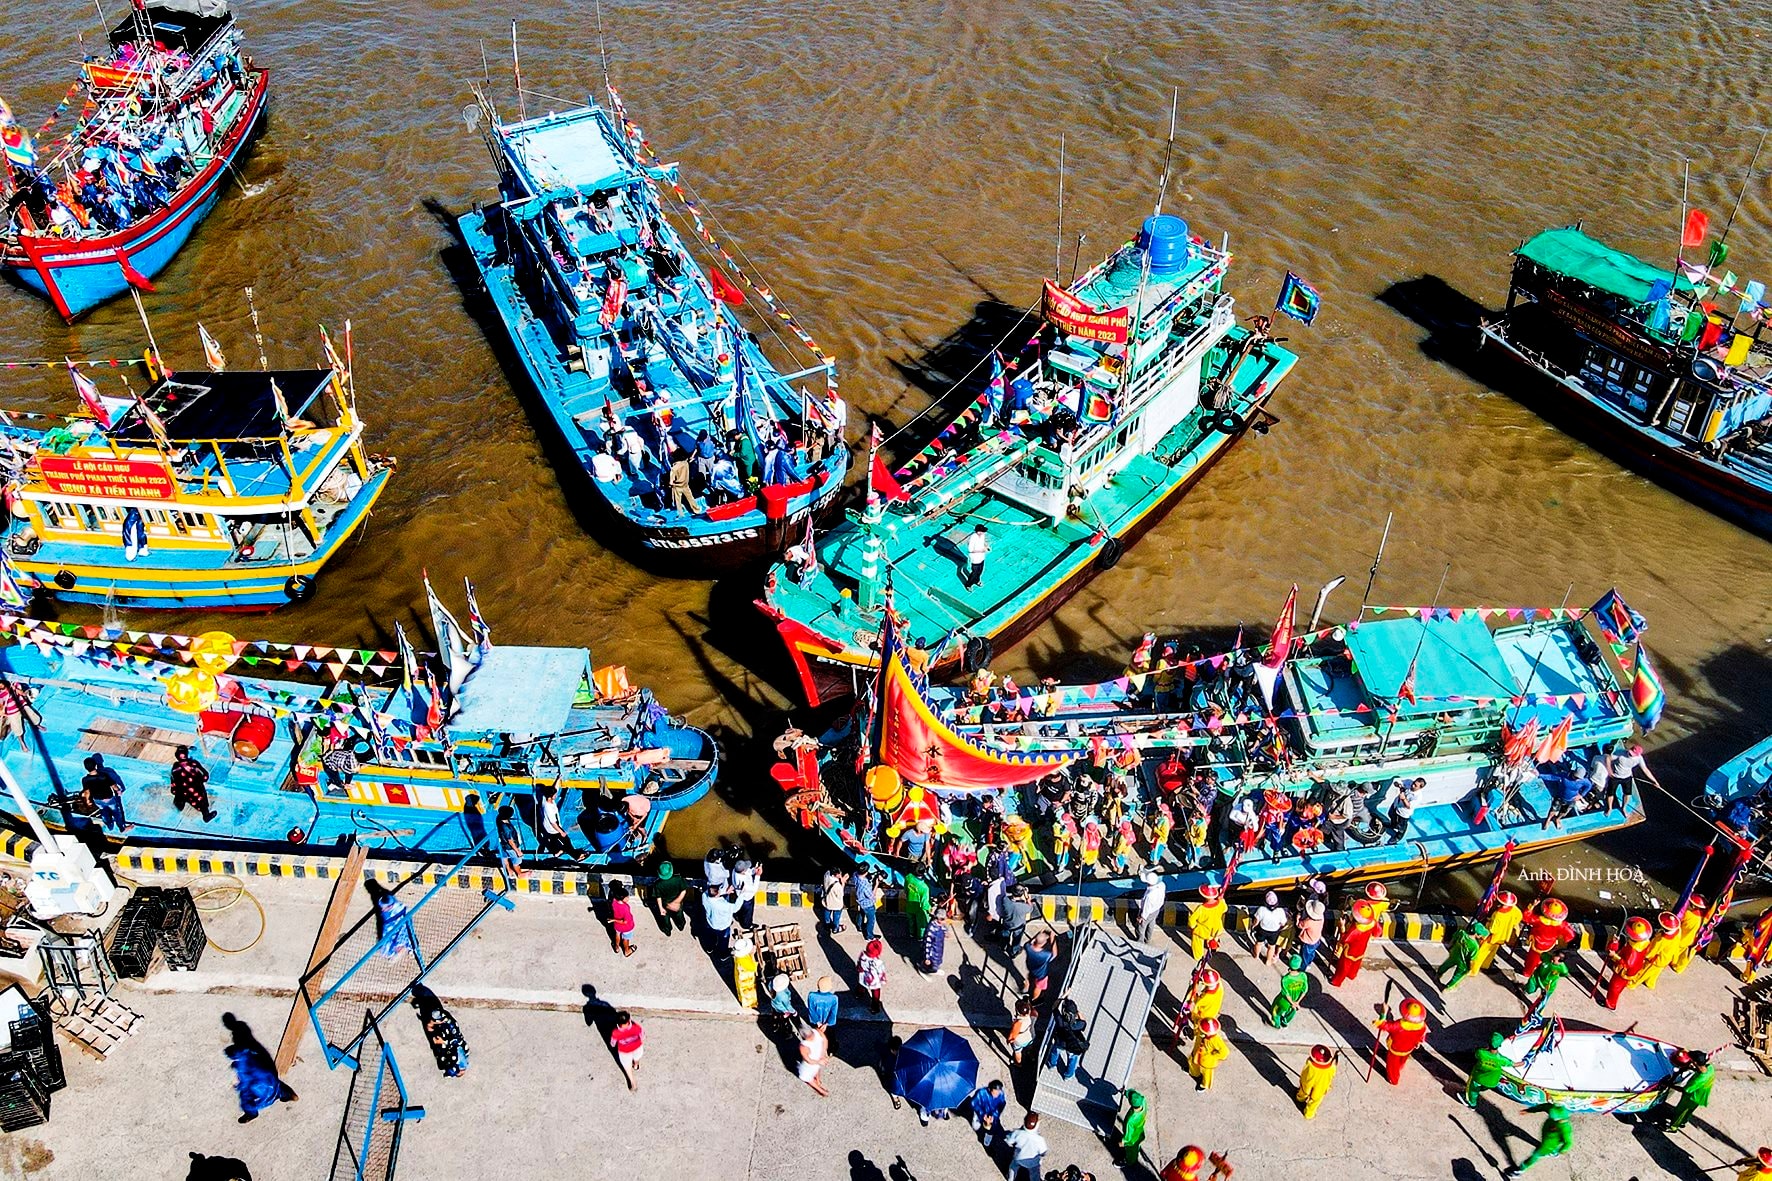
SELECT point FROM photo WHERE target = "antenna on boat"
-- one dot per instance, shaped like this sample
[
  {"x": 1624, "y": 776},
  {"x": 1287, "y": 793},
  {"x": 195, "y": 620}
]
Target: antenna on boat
[
  {"x": 1076, "y": 255},
  {"x": 259, "y": 339},
  {"x": 1372, "y": 576},
  {"x": 1745, "y": 177},
  {"x": 104, "y": 22},
  {"x": 517, "y": 73},
  {"x": 1545, "y": 647},
  {"x": 1058, "y": 243},
  {"x": 1680, "y": 230},
  {"x": 602, "y": 53},
  {"x": 1169, "y": 150},
  {"x": 485, "y": 66}
]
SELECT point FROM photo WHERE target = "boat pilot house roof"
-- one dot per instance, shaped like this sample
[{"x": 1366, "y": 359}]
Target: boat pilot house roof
[
  {"x": 203, "y": 407},
  {"x": 176, "y": 24},
  {"x": 1571, "y": 253}
]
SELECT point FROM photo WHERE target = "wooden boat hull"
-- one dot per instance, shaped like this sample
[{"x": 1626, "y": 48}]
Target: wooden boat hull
[
  {"x": 77, "y": 276},
  {"x": 1589, "y": 1072},
  {"x": 226, "y": 587},
  {"x": 830, "y": 671},
  {"x": 1705, "y": 482}
]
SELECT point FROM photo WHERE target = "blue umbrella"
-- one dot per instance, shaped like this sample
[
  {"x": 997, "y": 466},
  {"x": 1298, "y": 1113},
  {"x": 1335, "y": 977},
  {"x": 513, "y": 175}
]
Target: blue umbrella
[{"x": 936, "y": 1069}]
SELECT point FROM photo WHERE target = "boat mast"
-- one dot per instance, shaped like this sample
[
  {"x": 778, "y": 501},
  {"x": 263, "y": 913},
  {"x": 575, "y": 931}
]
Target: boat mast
[
  {"x": 1372, "y": 575},
  {"x": 1742, "y": 193},
  {"x": 1168, "y": 150},
  {"x": 1420, "y": 643},
  {"x": 517, "y": 73},
  {"x": 602, "y": 52},
  {"x": 1058, "y": 243}
]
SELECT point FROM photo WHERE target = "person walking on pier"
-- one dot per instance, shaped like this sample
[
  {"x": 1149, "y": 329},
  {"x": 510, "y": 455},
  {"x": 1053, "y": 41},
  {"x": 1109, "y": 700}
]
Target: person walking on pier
[
  {"x": 830, "y": 899},
  {"x": 1271, "y": 921},
  {"x": 814, "y": 1052},
  {"x": 1038, "y": 958},
  {"x": 1400, "y": 1036},
  {"x": 1755, "y": 1168},
  {"x": 1662, "y": 948},
  {"x": 870, "y": 970},
  {"x": 1554, "y": 1139},
  {"x": 510, "y": 845},
  {"x": 621, "y": 919},
  {"x": 1467, "y": 942},
  {"x": 1356, "y": 935},
  {"x": 1205, "y": 922},
  {"x": 669, "y": 893},
  {"x": 1132, "y": 1133},
  {"x": 628, "y": 1040},
  {"x": 1629, "y": 960},
  {"x": 1503, "y": 922},
  {"x": 1310, "y": 931},
  {"x": 1027, "y": 1148},
  {"x": 988, "y": 1103},
  {"x": 1755, "y": 944},
  {"x": 1545, "y": 980},
  {"x": 1021, "y": 1030},
  {"x": 916, "y": 905},
  {"x": 1293, "y": 987},
  {"x": 1547, "y": 928},
  {"x": 255, "y": 1072},
  {"x": 1070, "y": 1038},
  {"x": 1697, "y": 1075},
  {"x": 1315, "y": 1079},
  {"x": 1691, "y": 920},
  {"x": 1486, "y": 1075},
  {"x": 1210, "y": 1051},
  {"x": 1150, "y": 904},
  {"x": 1186, "y": 1166},
  {"x": 867, "y": 901}
]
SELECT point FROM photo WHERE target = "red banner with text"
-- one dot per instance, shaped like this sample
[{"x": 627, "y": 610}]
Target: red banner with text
[
  {"x": 112, "y": 479},
  {"x": 1079, "y": 319}
]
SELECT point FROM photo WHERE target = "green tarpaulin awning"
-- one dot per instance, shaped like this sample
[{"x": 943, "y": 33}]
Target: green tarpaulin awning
[{"x": 1570, "y": 252}]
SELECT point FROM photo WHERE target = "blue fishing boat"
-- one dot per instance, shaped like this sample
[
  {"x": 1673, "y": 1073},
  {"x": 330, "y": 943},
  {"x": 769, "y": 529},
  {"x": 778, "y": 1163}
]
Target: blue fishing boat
[
  {"x": 1137, "y": 381},
  {"x": 166, "y": 115},
  {"x": 1489, "y": 719},
  {"x": 1738, "y": 795},
  {"x": 227, "y": 490},
  {"x": 308, "y": 744},
  {"x": 697, "y": 446},
  {"x": 1650, "y": 364}
]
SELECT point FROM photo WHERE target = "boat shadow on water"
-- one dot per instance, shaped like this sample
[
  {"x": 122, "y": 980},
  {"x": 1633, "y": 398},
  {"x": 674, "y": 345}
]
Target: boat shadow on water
[{"x": 955, "y": 369}]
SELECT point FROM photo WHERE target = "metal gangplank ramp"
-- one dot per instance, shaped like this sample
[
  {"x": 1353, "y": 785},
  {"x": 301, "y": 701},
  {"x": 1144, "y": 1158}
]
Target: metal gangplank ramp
[{"x": 1114, "y": 982}]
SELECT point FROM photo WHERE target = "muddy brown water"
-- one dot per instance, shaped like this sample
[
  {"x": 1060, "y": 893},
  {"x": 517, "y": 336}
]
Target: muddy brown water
[{"x": 892, "y": 168}]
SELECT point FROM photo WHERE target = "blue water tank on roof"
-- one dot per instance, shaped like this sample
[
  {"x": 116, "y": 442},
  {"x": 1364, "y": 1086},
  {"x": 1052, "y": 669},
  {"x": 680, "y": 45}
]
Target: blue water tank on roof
[{"x": 1165, "y": 238}]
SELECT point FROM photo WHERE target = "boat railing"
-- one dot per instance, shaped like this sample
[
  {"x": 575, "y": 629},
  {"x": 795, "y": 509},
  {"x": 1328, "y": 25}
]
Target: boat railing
[{"x": 1148, "y": 383}]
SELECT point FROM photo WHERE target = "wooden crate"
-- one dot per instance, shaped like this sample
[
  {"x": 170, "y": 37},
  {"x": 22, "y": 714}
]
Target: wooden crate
[
  {"x": 1752, "y": 1020},
  {"x": 780, "y": 949}
]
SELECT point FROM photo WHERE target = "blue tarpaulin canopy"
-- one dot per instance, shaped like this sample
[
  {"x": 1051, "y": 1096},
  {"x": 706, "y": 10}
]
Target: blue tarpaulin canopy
[{"x": 516, "y": 690}]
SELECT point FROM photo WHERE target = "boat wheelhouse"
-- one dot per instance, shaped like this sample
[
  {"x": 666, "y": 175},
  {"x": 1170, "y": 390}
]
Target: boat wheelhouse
[
  {"x": 697, "y": 446},
  {"x": 1491, "y": 717},
  {"x": 227, "y": 490},
  {"x": 167, "y": 114},
  {"x": 1139, "y": 380},
  {"x": 308, "y": 744},
  {"x": 1651, "y": 365}
]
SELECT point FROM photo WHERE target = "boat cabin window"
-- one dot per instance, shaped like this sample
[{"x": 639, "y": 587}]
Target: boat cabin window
[{"x": 1626, "y": 381}]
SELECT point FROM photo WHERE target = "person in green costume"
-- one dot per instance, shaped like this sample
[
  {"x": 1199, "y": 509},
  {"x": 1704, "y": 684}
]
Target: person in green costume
[
  {"x": 916, "y": 905},
  {"x": 1551, "y": 970},
  {"x": 1463, "y": 957},
  {"x": 1133, "y": 1137},
  {"x": 744, "y": 453},
  {"x": 1554, "y": 1139},
  {"x": 1293, "y": 985},
  {"x": 1700, "y": 1075},
  {"x": 1486, "y": 1076}
]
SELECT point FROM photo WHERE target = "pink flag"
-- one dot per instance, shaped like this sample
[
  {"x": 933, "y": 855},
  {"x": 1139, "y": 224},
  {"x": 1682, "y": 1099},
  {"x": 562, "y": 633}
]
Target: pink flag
[{"x": 89, "y": 395}]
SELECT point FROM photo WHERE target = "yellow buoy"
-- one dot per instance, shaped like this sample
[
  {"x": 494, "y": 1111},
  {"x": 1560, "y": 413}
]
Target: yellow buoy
[
  {"x": 190, "y": 691},
  {"x": 884, "y": 788},
  {"x": 213, "y": 652}
]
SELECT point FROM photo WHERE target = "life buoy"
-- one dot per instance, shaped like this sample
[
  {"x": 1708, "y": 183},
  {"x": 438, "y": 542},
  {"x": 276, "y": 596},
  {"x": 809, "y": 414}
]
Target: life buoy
[
  {"x": 299, "y": 588},
  {"x": 977, "y": 654},
  {"x": 65, "y": 579},
  {"x": 1111, "y": 553},
  {"x": 1225, "y": 422}
]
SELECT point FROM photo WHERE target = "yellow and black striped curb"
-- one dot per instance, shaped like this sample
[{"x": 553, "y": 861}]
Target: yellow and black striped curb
[{"x": 1405, "y": 927}]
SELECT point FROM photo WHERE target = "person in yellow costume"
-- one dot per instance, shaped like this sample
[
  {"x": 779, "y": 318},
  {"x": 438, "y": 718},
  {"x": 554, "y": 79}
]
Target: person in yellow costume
[
  {"x": 1504, "y": 924},
  {"x": 1689, "y": 924},
  {"x": 1380, "y": 898},
  {"x": 1206, "y": 921},
  {"x": 1662, "y": 948},
  {"x": 1210, "y": 1049},
  {"x": 1315, "y": 1079},
  {"x": 1204, "y": 1003}
]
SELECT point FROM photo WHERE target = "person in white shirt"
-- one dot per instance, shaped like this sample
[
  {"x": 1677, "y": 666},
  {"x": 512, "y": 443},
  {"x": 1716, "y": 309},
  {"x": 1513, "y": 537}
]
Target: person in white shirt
[
  {"x": 633, "y": 452},
  {"x": 1150, "y": 907},
  {"x": 1613, "y": 771},
  {"x": 550, "y": 834},
  {"x": 978, "y": 547},
  {"x": 605, "y": 467},
  {"x": 1026, "y": 1148}
]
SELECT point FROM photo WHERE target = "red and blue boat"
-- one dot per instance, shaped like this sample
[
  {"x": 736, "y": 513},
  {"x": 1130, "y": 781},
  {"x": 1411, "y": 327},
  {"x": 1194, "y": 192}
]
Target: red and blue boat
[{"x": 165, "y": 115}]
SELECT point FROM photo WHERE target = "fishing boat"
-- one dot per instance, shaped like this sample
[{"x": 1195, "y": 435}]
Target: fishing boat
[
  {"x": 166, "y": 115},
  {"x": 1588, "y": 1071},
  {"x": 307, "y": 744},
  {"x": 1186, "y": 765},
  {"x": 1737, "y": 796},
  {"x": 1138, "y": 380},
  {"x": 223, "y": 489},
  {"x": 701, "y": 453},
  {"x": 1649, "y": 364}
]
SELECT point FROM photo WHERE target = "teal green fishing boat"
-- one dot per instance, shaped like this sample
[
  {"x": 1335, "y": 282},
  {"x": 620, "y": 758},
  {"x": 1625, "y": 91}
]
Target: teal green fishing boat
[{"x": 1137, "y": 381}]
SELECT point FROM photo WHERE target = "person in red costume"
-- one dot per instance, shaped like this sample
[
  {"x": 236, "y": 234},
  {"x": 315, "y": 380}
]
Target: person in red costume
[
  {"x": 1355, "y": 935},
  {"x": 1547, "y": 928},
  {"x": 1401, "y": 1036},
  {"x": 1186, "y": 1166},
  {"x": 1630, "y": 959}
]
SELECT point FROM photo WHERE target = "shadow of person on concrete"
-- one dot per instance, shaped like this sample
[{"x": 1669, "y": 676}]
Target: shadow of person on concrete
[
  {"x": 599, "y": 1014},
  {"x": 1739, "y": 1151},
  {"x": 1493, "y": 1124},
  {"x": 217, "y": 1168},
  {"x": 1464, "y": 1170},
  {"x": 1674, "y": 1158},
  {"x": 1408, "y": 962},
  {"x": 863, "y": 1169},
  {"x": 1273, "y": 1072}
]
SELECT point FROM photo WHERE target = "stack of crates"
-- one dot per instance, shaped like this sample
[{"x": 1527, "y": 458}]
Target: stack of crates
[
  {"x": 181, "y": 930},
  {"x": 33, "y": 1040},
  {"x": 24, "y": 1101},
  {"x": 136, "y": 935}
]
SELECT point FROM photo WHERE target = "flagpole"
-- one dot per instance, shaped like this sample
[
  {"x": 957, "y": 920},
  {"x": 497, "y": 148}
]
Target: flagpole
[
  {"x": 1680, "y": 233},
  {"x": 1420, "y": 643},
  {"x": 1058, "y": 244},
  {"x": 1745, "y": 177},
  {"x": 517, "y": 73},
  {"x": 1168, "y": 150},
  {"x": 1372, "y": 576},
  {"x": 142, "y": 311}
]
